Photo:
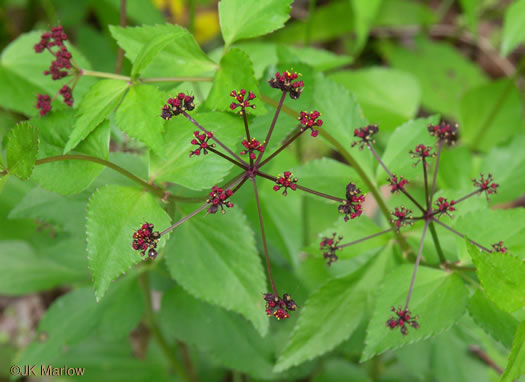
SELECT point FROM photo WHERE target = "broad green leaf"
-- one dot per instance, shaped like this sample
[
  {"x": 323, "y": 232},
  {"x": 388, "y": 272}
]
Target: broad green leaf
[
  {"x": 235, "y": 73},
  {"x": 113, "y": 214},
  {"x": 318, "y": 59},
  {"x": 405, "y": 138},
  {"x": 389, "y": 97},
  {"x": 177, "y": 166},
  {"x": 151, "y": 49},
  {"x": 401, "y": 13},
  {"x": 141, "y": 11},
  {"x": 513, "y": 27},
  {"x": 439, "y": 299},
  {"x": 364, "y": 15},
  {"x": 455, "y": 168},
  {"x": 96, "y": 106},
  {"x": 485, "y": 109},
  {"x": 443, "y": 81},
  {"x": 340, "y": 370},
  {"x": 516, "y": 365},
  {"x": 242, "y": 19},
  {"x": 181, "y": 57},
  {"x": 501, "y": 275},
  {"x": 17, "y": 93},
  {"x": 262, "y": 55},
  {"x": 214, "y": 258},
  {"x": 237, "y": 345},
  {"x": 499, "y": 324},
  {"x": 22, "y": 149},
  {"x": 139, "y": 116},
  {"x": 68, "y": 176}
]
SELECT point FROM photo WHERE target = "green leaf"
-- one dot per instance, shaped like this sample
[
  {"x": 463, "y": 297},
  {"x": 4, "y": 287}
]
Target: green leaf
[
  {"x": 516, "y": 365},
  {"x": 364, "y": 15},
  {"x": 237, "y": 345},
  {"x": 214, "y": 258},
  {"x": 439, "y": 299},
  {"x": 389, "y": 97},
  {"x": 513, "y": 28},
  {"x": 151, "y": 49},
  {"x": 68, "y": 176},
  {"x": 96, "y": 106},
  {"x": 499, "y": 324},
  {"x": 177, "y": 167},
  {"x": 113, "y": 214},
  {"x": 485, "y": 109},
  {"x": 472, "y": 10},
  {"x": 401, "y": 13},
  {"x": 501, "y": 275},
  {"x": 318, "y": 59},
  {"x": 443, "y": 81},
  {"x": 242, "y": 19},
  {"x": 181, "y": 57},
  {"x": 139, "y": 116},
  {"x": 235, "y": 73},
  {"x": 22, "y": 148},
  {"x": 340, "y": 370}
]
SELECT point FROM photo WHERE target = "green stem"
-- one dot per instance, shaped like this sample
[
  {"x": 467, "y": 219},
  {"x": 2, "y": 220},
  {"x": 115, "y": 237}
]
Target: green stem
[
  {"x": 309, "y": 22},
  {"x": 435, "y": 239},
  {"x": 155, "y": 330},
  {"x": 303, "y": 198},
  {"x": 92, "y": 73},
  {"x": 191, "y": 15}
]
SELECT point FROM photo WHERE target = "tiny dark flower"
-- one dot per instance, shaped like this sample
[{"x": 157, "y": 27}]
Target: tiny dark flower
[
  {"x": 444, "y": 206},
  {"x": 498, "y": 247},
  {"x": 201, "y": 140},
  {"x": 285, "y": 181},
  {"x": 176, "y": 106},
  {"x": 145, "y": 239},
  {"x": 309, "y": 120},
  {"x": 286, "y": 82},
  {"x": 329, "y": 245},
  {"x": 402, "y": 217},
  {"x": 397, "y": 184},
  {"x": 421, "y": 152},
  {"x": 67, "y": 93},
  {"x": 62, "y": 61},
  {"x": 403, "y": 318},
  {"x": 486, "y": 185},
  {"x": 365, "y": 135},
  {"x": 241, "y": 101},
  {"x": 352, "y": 206},
  {"x": 251, "y": 146},
  {"x": 44, "y": 104},
  {"x": 279, "y": 307},
  {"x": 444, "y": 132},
  {"x": 218, "y": 198}
]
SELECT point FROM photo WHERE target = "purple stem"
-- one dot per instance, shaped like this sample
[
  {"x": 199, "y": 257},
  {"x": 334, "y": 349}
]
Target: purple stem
[
  {"x": 274, "y": 121},
  {"x": 286, "y": 144},
  {"x": 425, "y": 177},
  {"x": 468, "y": 196},
  {"x": 247, "y": 129},
  {"x": 184, "y": 219},
  {"x": 435, "y": 172},
  {"x": 416, "y": 266},
  {"x": 226, "y": 157},
  {"x": 461, "y": 235},
  {"x": 364, "y": 238}
]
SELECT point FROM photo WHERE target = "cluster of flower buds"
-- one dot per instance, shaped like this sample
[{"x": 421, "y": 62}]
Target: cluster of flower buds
[
  {"x": 251, "y": 146},
  {"x": 352, "y": 207},
  {"x": 397, "y": 184},
  {"x": 403, "y": 318},
  {"x": 365, "y": 135},
  {"x": 241, "y": 101},
  {"x": 182, "y": 103},
  {"x": 329, "y": 246},
  {"x": 486, "y": 185},
  {"x": 218, "y": 198},
  {"x": 44, "y": 104},
  {"x": 56, "y": 38},
  {"x": 66, "y": 92},
  {"x": 279, "y": 307},
  {"x": 309, "y": 120},
  {"x": 402, "y": 217},
  {"x": 287, "y": 181},
  {"x": 499, "y": 247},
  {"x": 145, "y": 239},
  {"x": 421, "y": 152},
  {"x": 444, "y": 132},
  {"x": 286, "y": 82},
  {"x": 445, "y": 207},
  {"x": 201, "y": 140}
]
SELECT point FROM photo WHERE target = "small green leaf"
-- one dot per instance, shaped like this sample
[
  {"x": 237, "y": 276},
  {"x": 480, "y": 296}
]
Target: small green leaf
[
  {"x": 439, "y": 300},
  {"x": 242, "y": 19},
  {"x": 516, "y": 364},
  {"x": 235, "y": 73},
  {"x": 96, "y": 106},
  {"x": 501, "y": 275},
  {"x": 139, "y": 116},
  {"x": 22, "y": 148},
  {"x": 513, "y": 27},
  {"x": 151, "y": 49},
  {"x": 318, "y": 59},
  {"x": 214, "y": 258},
  {"x": 113, "y": 214}
]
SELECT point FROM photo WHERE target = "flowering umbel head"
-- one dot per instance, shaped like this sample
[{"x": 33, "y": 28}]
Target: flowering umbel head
[
  {"x": 352, "y": 206},
  {"x": 499, "y": 247},
  {"x": 309, "y": 121},
  {"x": 44, "y": 104},
  {"x": 404, "y": 318},
  {"x": 287, "y": 181},
  {"x": 402, "y": 217},
  {"x": 218, "y": 198},
  {"x": 201, "y": 140},
  {"x": 242, "y": 101},
  {"x": 445, "y": 207},
  {"x": 145, "y": 239},
  {"x": 486, "y": 185},
  {"x": 445, "y": 132},
  {"x": 54, "y": 42},
  {"x": 286, "y": 81},
  {"x": 329, "y": 246},
  {"x": 279, "y": 307},
  {"x": 397, "y": 183},
  {"x": 251, "y": 146},
  {"x": 365, "y": 135},
  {"x": 421, "y": 152},
  {"x": 181, "y": 103}
]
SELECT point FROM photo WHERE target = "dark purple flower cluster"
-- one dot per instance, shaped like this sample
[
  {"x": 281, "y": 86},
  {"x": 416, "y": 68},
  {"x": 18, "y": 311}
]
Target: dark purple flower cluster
[
  {"x": 403, "y": 319},
  {"x": 145, "y": 239},
  {"x": 309, "y": 120},
  {"x": 241, "y": 101},
  {"x": 286, "y": 81},
  {"x": 279, "y": 307},
  {"x": 286, "y": 181},
  {"x": 352, "y": 207},
  {"x": 218, "y": 198},
  {"x": 201, "y": 140},
  {"x": 178, "y": 105},
  {"x": 330, "y": 245}
]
